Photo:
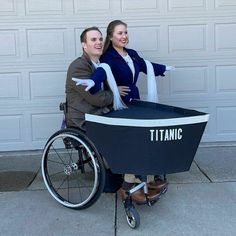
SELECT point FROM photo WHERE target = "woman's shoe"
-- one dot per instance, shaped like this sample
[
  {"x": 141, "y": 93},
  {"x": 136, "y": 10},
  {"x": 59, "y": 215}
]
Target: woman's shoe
[{"x": 154, "y": 194}]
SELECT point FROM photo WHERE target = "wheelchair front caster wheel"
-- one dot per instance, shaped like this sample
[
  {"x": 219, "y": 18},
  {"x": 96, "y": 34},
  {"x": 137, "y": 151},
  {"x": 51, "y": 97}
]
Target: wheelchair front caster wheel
[{"x": 132, "y": 217}]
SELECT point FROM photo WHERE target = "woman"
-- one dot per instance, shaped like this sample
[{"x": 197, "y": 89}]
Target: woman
[{"x": 125, "y": 65}]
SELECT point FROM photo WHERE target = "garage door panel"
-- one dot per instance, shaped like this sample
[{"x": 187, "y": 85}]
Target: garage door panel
[
  {"x": 47, "y": 84},
  {"x": 225, "y": 4},
  {"x": 10, "y": 86},
  {"x": 189, "y": 80},
  {"x": 181, "y": 5},
  {"x": 8, "y": 7},
  {"x": 9, "y": 43},
  {"x": 139, "y": 5},
  {"x": 225, "y": 116},
  {"x": 186, "y": 38},
  {"x": 47, "y": 43},
  {"x": 225, "y": 37},
  {"x": 225, "y": 79},
  {"x": 11, "y": 128},
  {"x": 91, "y": 6},
  {"x": 51, "y": 7},
  {"x": 151, "y": 42},
  {"x": 44, "y": 125}
]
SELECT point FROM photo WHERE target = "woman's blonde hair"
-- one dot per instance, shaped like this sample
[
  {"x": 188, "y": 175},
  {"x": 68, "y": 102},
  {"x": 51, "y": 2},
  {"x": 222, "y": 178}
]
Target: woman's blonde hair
[{"x": 110, "y": 31}]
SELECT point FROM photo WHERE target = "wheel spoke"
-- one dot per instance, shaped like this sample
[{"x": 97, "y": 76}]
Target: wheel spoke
[
  {"x": 56, "y": 162},
  {"x": 58, "y": 155},
  {"x": 57, "y": 173},
  {"x": 63, "y": 181}
]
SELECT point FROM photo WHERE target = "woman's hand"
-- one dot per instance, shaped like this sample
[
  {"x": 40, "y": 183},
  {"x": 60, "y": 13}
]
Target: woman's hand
[
  {"x": 168, "y": 68},
  {"x": 85, "y": 82},
  {"x": 123, "y": 90}
]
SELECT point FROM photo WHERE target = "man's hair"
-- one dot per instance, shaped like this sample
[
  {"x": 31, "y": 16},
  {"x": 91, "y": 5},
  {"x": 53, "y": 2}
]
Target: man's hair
[{"x": 83, "y": 36}]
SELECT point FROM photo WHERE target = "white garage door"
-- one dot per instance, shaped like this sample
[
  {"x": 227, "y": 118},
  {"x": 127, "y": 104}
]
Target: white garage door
[{"x": 39, "y": 38}]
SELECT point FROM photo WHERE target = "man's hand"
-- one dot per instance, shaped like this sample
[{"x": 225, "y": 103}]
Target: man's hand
[
  {"x": 123, "y": 90},
  {"x": 85, "y": 82},
  {"x": 168, "y": 68}
]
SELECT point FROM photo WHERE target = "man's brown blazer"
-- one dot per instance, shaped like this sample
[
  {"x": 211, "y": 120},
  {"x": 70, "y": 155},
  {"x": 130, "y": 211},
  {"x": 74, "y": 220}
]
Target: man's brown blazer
[{"x": 78, "y": 100}]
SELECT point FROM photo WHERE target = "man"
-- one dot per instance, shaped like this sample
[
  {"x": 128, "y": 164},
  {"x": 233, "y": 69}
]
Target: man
[{"x": 80, "y": 101}]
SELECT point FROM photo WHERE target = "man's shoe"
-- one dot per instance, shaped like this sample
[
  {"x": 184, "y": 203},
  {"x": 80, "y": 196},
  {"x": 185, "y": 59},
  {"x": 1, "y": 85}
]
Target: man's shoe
[{"x": 157, "y": 185}]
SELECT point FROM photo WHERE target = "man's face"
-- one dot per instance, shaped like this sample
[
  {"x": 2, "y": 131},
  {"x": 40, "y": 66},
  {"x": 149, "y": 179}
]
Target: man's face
[{"x": 94, "y": 44}]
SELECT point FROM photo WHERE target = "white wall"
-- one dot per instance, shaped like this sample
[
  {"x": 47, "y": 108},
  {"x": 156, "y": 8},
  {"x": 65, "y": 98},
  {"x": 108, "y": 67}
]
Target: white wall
[{"x": 39, "y": 38}]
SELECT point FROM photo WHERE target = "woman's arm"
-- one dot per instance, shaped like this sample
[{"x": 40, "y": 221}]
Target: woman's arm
[{"x": 159, "y": 69}]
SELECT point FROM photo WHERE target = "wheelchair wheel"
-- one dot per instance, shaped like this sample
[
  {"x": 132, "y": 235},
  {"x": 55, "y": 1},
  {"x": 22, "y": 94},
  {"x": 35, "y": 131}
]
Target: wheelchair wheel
[
  {"x": 132, "y": 217},
  {"x": 72, "y": 169}
]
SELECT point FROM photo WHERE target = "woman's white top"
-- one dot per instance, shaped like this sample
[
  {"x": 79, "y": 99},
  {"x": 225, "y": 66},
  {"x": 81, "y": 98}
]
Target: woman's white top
[{"x": 130, "y": 63}]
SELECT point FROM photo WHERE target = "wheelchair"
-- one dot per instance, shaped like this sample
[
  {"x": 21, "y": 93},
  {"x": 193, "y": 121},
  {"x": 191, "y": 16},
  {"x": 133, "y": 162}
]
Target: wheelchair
[{"x": 74, "y": 171}]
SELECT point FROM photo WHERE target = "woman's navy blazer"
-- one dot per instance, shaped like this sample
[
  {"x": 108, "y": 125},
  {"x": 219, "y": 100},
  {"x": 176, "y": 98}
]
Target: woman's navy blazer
[{"x": 122, "y": 72}]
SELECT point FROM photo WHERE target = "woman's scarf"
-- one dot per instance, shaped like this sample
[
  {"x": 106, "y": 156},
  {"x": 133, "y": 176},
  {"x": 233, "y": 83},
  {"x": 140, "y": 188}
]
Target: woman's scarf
[
  {"x": 118, "y": 104},
  {"x": 151, "y": 83}
]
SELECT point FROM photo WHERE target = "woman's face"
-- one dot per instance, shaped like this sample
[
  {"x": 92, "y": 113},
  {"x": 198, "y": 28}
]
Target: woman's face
[{"x": 119, "y": 37}]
